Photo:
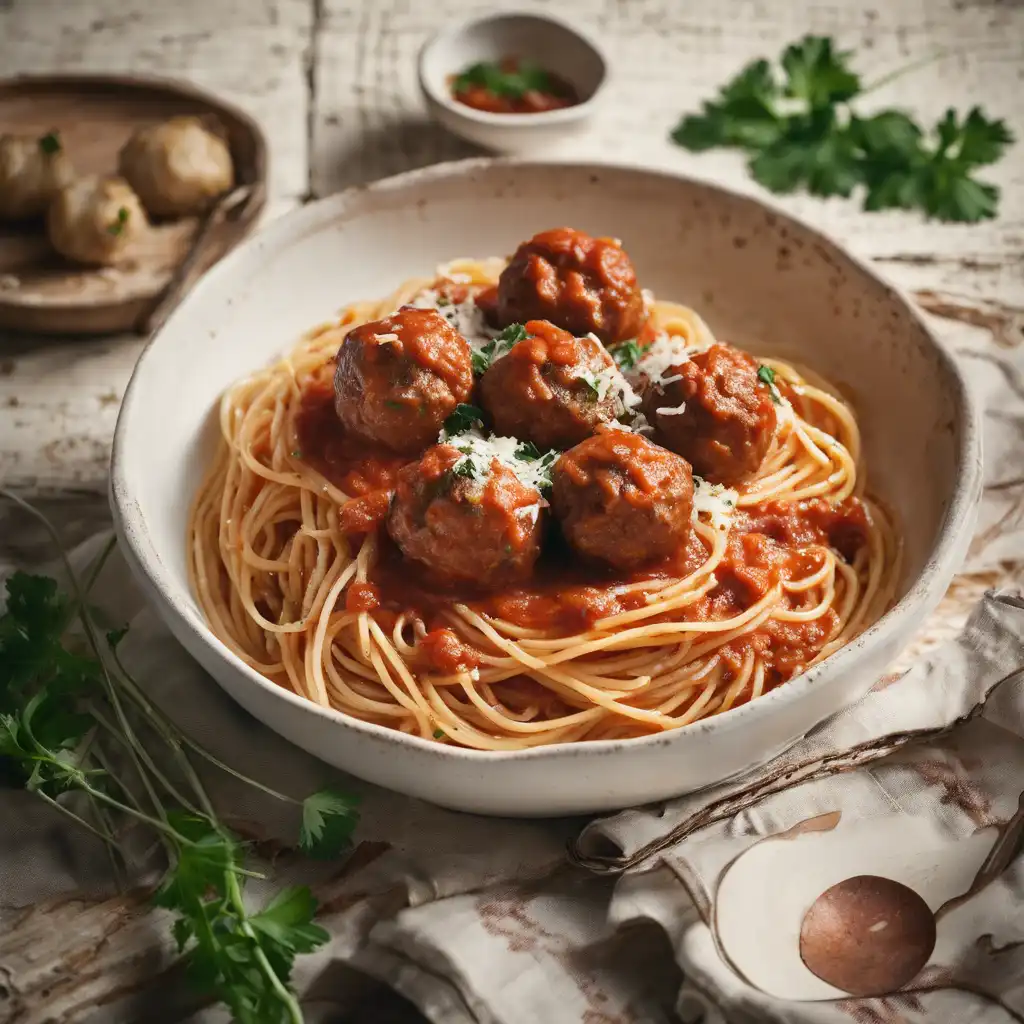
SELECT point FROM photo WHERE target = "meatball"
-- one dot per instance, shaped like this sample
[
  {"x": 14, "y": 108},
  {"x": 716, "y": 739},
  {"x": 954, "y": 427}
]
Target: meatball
[
  {"x": 399, "y": 378},
  {"x": 466, "y": 528},
  {"x": 546, "y": 389},
  {"x": 622, "y": 499},
  {"x": 582, "y": 284},
  {"x": 178, "y": 167},
  {"x": 727, "y": 415},
  {"x": 95, "y": 221},
  {"x": 32, "y": 171}
]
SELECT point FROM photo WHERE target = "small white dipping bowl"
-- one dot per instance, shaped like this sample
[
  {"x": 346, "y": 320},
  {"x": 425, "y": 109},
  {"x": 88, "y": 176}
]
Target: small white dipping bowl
[
  {"x": 761, "y": 279},
  {"x": 549, "y": 42}
]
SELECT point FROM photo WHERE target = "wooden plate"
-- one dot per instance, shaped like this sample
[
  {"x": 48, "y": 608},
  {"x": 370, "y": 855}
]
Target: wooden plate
[{"x": 95, "y": 114}]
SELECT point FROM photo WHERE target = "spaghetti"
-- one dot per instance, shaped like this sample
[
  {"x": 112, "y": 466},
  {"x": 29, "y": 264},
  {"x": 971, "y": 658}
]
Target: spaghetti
[{"x": 777, "y": 574}]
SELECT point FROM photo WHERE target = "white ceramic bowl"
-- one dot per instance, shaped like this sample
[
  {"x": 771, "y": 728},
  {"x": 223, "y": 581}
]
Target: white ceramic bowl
[
  {"x": 762, "y": 280},
  {"x": 549, "y": 42}
]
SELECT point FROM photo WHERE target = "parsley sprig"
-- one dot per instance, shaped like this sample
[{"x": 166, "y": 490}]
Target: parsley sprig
[
  {"x": 798, "y": 127},
  {"x": 513, "y": 83},
  {"x": 497, "y": 347},
  {"x": 627, "y": 354},
  {"x": 73, "y": 719}
]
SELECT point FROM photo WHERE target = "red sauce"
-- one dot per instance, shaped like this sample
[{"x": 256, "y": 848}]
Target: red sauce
[
  {"x": 362, "y": 597},
  {"x": 512, "y": 87},
  {"x": 443, "y": 651},
  {"x": 352, "y": 464}
]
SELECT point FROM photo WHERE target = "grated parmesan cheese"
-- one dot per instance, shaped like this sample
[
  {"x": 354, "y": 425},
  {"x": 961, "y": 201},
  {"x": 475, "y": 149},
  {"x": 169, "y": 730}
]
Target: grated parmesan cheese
[
  {"x": 671, "y": 410},
  {"x": 715, "y": 500},
  {"x": 466, "y": 317},
  {"x": 609, "y": 379},
  {"x": 478, "y": 452},
  {"x": 386, "y": 339}
]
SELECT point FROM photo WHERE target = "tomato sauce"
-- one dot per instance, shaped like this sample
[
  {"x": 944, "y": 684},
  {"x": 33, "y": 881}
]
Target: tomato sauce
[
  {"x": 352, "y": 464},
  {"x": 512, "y": 86}
]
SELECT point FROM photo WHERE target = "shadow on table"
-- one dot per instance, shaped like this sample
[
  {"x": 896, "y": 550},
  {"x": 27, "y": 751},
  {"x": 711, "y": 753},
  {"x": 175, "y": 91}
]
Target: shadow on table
[{"x": 401, "y": 145}]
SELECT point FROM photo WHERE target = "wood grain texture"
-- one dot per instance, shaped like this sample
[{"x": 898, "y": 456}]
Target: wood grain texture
[{"x": 333, "y": 83}]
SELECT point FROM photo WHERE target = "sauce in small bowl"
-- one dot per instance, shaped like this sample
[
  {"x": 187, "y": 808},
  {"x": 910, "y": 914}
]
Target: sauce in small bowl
[
  {"x": 512, "y": 86},
  {"x": 513, "y": 82}
]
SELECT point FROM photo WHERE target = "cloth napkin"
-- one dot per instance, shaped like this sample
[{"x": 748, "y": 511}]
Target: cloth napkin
[{"x": 688, "y": 910}]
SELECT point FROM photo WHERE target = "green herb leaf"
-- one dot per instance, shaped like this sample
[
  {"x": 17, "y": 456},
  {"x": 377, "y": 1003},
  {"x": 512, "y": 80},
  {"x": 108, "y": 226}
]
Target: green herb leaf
[
  {"x": 328, "y": 819},
  {"x": 464, "y": 418},
  {"x": 627, "y": 355},
  {"x": 803, "y": 134},
  {"x": 438, "y": 734},
  {"x": 117, "y": 226},
  {"x": 818, "y": 75},
  {"x": 744, "y": 116},
  {"x": 766, "y": 375},
  {"x": 288, "y": 921},
  {"x": 497, "y": 347},
  {"x": 514, "y": 84},
  {"x": 50, "y": 143}
]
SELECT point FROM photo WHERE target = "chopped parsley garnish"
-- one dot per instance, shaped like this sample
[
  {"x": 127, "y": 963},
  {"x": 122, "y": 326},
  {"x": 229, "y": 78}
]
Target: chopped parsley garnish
[
  {"x": 627, "y": 355},
  {"x": 766, "y": 375},
  {"x": 117, "y": 226},
  {"x": 462, "y": 419},
  {"x": 796, "y": 123},
  {"x": 390, "y": 403},
  {"x": 590, "y": 379},
  {"x": 497, "y": 347},
  {"x": 514, "y": 84},
  {"x": 529, "y": 452},
  {"x": 50, "y": 143},
  {"x": 296, "y": 453},
  {"x": 438, "y": 734}
]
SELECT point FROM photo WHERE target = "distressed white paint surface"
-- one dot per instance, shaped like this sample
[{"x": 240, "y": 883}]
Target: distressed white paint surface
[{"x": 334, "y": 84}]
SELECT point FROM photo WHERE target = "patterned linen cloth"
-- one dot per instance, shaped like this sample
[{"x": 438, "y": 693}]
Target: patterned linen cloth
[{"x": 689, "y": 910}]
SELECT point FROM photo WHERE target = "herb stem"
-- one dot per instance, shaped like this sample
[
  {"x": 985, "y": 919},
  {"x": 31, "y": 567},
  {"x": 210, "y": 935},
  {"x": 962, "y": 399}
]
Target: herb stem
[
  {"x": 905, "y": 70},
  {"x": 107, "y": 837},
  {"x": 234, "y": 894}
]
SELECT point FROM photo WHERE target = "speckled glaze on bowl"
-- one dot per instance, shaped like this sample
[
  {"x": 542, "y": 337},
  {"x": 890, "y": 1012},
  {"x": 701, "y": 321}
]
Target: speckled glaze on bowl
[
  {"x": 548, "y": 41},
  {"x": 762, "y": 280}
]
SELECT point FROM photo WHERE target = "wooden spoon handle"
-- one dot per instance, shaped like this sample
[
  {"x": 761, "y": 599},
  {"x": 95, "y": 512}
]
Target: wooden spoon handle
[{"x": 192, "y": 267}]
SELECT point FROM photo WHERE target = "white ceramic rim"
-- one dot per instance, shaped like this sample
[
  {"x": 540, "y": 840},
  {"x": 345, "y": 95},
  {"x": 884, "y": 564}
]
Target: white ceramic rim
[
  {"x": 135, "y": 541},
  {"x": 563, "y": 115}
]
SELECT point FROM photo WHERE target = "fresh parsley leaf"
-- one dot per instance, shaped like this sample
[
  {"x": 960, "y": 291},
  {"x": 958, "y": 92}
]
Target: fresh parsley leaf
[
  {"x": 438, "y": 734},
  {"x": 117, "y": 226},
  {"x": 288, "y": 921},
  {"x": 811, "y": 154},
  {"x": 590, "y": 379},
  {"x": 745, "y": 115},
  {"x": 766, "y": 375},
  {"x": 627, "y": 355},
  {"x": 497, "y": 347},
  {"x": 528, "y": 452},
  {"x": 944, "y": 182},
  {"x": 513, "y": 83},
  {"x": 328, "y": 819},
  {"x": 50, "y": 143},
  {"x": 800, "y": 132},
  {"x": 464, "y": 418},
  {"x": 818, "y": 75}
]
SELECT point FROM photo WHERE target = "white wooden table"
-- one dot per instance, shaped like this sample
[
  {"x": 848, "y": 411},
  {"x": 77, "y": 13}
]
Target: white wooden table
[{"x": 333, "y": 83}]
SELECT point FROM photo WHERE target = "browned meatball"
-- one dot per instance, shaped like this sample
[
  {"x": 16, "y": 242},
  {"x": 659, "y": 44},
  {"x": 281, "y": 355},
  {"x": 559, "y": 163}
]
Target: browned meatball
[
  {"x": 579, "y": 283},
  {"x": 728, "y": 416},
  {"x": 546, "y": 389},
  {"x": 485, "y": 532},
  {"x": 622, "y": 499},
  {"x": 399, "y": 378}
]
